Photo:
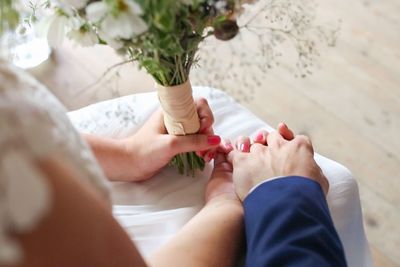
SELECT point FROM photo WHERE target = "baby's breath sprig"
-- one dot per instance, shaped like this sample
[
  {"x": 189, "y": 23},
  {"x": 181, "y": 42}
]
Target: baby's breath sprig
[{"x": 165, "y": 37}]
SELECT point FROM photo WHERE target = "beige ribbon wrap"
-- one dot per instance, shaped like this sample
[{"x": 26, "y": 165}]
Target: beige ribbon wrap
[{"x": 180, "y": 114}]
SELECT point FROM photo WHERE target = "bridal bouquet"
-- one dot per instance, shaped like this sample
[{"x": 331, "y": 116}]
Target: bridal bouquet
[{"x": 162, "y": 36}]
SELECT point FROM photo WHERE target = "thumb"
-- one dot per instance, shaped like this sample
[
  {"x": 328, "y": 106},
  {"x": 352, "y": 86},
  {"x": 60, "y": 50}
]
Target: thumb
[
  {"x": 232, "y": 156},
  {"x": 194, "y": 142}
]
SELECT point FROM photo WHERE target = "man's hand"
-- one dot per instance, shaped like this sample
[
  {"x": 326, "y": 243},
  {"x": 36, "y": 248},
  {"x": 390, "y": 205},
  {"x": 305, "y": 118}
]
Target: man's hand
[{"x": 272, "y": 155}]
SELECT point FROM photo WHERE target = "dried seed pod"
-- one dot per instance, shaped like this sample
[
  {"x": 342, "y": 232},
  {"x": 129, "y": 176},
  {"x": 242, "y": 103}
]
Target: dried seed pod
[
  {"x": 226, "y": 30},
  {"x": 208, "y": 10}
]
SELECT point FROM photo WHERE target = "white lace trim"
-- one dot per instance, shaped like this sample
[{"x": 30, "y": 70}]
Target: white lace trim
[{"x": 33, "y": 126}]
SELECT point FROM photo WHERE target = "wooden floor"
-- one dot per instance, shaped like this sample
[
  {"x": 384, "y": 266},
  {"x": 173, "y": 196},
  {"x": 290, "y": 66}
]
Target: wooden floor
[{"x": 350, "y": 107}]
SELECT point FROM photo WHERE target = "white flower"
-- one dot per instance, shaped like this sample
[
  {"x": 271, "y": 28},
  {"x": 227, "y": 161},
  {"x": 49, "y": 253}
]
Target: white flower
[
  {"x": 111, "y": 41},
  {"x": 83, "y": 36},
  {"x": 54, "y": 28},
  {"x": 124, "y": 25},
  {"x": 78, "y": 4}
]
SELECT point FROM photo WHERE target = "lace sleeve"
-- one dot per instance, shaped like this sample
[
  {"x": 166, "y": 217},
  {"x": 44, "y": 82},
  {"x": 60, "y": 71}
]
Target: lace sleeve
[
  {"x": 24, "y": 200},
  {"x": 33, "y": 127},
  {"x": 25, "y": 196}
]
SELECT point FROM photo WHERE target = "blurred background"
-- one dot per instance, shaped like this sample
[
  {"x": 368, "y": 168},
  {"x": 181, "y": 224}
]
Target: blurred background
[{"x": 349, "y": 104}]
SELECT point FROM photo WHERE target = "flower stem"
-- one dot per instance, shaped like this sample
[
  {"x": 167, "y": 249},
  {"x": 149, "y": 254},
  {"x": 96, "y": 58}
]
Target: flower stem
[{"x": 188, "y": 163}]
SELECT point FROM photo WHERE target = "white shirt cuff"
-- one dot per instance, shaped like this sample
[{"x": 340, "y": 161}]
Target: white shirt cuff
[{"x": 266, "y": 181}]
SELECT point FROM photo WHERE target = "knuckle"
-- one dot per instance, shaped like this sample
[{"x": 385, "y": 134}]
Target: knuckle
[
  {"x": 197, "y": 140},
  {"x": 172, "y": 142},
  {"x": 273, "y": 139},
  {"x": 234, "y": 156},
  {"x": 211, "y": 117},
  {"x": 273, "y": 134},
  {"x": 257, "y": 148},
  {"x": 303, "y": 140},
  {"x": 239, "y": 158}
]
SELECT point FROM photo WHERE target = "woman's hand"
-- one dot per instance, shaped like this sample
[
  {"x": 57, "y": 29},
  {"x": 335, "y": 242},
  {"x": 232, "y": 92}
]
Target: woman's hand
[
  {"x": 214, "y": 236},
  {"x": 220, "y": 187},
  {"x": 151, "y": 148}
]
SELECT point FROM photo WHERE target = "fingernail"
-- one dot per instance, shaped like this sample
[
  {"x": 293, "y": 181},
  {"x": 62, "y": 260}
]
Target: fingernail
[
  {"x": 213, "y": 140},
  {"x": 241, "y": 147},
  {"x": 259, "y": 137},
  {"x": 208, "y": 157},
  {"x": 229, "y": 146},
  {"x": 244, "y": 147}
]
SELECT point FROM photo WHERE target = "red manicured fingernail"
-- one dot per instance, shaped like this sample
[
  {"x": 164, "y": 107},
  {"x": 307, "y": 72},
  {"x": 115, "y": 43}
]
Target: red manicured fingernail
[
  {"x": 244, "y": 147},
  {"x": 209, "y": 156},
  {"x": 259, "y": 137},
  {"x": 214, "y": 140}
]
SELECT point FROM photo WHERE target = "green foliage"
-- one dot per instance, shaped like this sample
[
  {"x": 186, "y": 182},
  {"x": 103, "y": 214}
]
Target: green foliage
[
  {"x": 167, "y": 50},
  {"x": 9, "y": 17},
  {"x": 166, "y": 46}
]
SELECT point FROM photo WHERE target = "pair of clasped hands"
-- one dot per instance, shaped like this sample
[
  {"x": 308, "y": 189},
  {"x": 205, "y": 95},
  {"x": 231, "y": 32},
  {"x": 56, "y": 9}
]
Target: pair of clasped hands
[{"x": 238, "y": 167}]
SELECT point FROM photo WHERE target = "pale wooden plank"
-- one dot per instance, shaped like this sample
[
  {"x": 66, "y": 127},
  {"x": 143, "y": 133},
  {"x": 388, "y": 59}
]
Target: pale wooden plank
[
  {"x": 380, "y": 260},
  {"x": 73, "y": 74},
  {"x": 382, "y": 225}
]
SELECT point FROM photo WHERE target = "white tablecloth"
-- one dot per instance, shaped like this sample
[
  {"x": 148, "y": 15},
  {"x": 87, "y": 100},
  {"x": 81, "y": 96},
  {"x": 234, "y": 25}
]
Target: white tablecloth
[{"x": 153, "y": 211}]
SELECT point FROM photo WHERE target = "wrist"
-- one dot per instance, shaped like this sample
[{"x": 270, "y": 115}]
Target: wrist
[
  {"x": 126, "y": 160},
  {"x": 119, "y": 157},
  {"x": 229, "y": 213},
  {"x": 109, "y": 153},
  {"x": 226, "y": 203},
  {"x": 245, "y": 186},
  {"x": 122, "y": 160}
]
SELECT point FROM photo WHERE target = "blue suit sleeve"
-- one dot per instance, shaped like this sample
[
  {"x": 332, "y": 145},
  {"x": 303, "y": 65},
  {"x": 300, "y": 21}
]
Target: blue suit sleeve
[{"x": 288, "y": 223}]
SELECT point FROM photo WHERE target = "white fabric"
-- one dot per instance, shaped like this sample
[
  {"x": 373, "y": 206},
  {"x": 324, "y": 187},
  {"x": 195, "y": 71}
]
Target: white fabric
[
  {"x": 263, "y": 182},
  {"x": 155, "y": 210},
  {"x": 33, "y": 127}
]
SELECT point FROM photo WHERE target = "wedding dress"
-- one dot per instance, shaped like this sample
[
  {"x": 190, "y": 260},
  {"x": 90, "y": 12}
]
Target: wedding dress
[{"x": 34, "y": 126}]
